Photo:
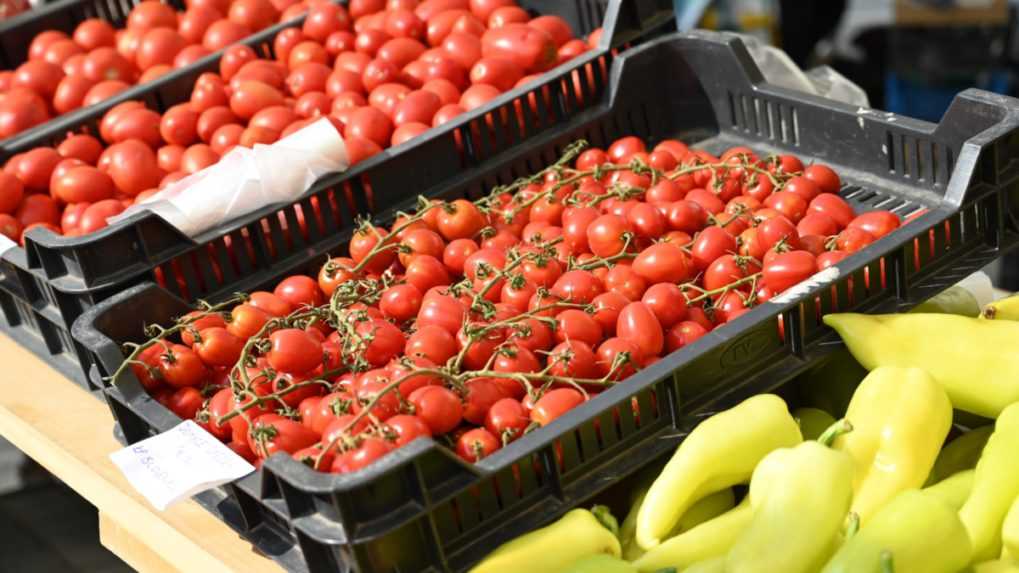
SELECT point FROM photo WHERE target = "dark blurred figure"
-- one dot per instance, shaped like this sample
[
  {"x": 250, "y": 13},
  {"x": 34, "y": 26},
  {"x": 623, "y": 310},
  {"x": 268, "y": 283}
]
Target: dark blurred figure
[{"x": 804, "y": 23}]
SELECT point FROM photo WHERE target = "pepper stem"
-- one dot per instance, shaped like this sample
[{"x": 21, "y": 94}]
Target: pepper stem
[
  {"x": 604, "y": 516},
  {"x": 852, "y": 525},
  {"x": 840, "y": 427},
  {"x": 887, "y": 562}
]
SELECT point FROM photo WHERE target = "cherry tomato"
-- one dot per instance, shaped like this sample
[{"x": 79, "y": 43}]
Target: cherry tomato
[
  {"x": 400, "y": 302},
  {"x": 476, "y": 444},
  {"x": 179, "y": 366},
  {"x": 853, "y": 239},
  {"x": 408, "y": 428},
  {"x": 788, "y": 269},
  {"x": 554, "y": 404},
  {"x": 824, "y": 177},
  {"x": 222, "y": 33},
  {"x": 638, "y": 324},
  {"x": 663, "y": 262},
  {"x": 876, "y": 223},
  {"x": 271, "y": 433},
  {"x": 834, "y": 207},
  {"x": 94, "y": 33},
  {"x": 438, "y": 407},
  {"x": 683, "y": 333},
  {"x": 299, "y": 291}
]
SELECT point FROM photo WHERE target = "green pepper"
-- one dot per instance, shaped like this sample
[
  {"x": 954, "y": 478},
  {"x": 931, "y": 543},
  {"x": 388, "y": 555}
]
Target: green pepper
[
  {"x": 976, "y": 361},
  {"x": 900, "y": 418},
  {"x": 720, "y": 452},
  {"x": 997, "y": 566},
  {"x": 995, "y": 485},
  {"x": 628, "y": 529},
  {"x": 830, "y": 385},
  {"x": 953, "y": 490},
  {"x": 578, "y": 534},
  {"x": 960, "y": 454},
  {"x": 917, "y": 530},
  {"x": 600, "y": 563},
  {"x": 813, "y": 422},
  {"x": 800, "y": 497},
  {"x": 1010, "y": 532},
  {"x": 711, "y": 539}
]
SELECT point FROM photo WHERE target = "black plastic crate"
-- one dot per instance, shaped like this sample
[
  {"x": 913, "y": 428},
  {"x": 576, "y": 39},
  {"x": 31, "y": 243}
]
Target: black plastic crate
[
  {"x": 63, "y": 276},
  {"x": 16, "y": 33},
  {"x": 422, "y": 508}
]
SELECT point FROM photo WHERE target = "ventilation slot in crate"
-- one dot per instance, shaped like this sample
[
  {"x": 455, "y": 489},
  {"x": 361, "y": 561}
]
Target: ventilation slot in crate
[{"x": 764, "y": 118}]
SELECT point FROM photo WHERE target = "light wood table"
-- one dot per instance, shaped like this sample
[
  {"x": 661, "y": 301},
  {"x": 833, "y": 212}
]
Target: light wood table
[{"x": 70, "y": 433}]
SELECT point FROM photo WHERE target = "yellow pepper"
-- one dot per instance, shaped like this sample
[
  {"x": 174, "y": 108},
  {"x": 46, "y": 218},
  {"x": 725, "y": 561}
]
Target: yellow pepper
[
  {"x": 960, "y": 454},
  {"x": 813, "y": 422},
  {"x": 711, "y": 539},
  {"x": 578, "y": 534},
  {"x": 976, "y": 361},
  {"x": 996, "y": 566},
  {"x": 953, "y": 490},
  {"x": 799, "y": 497},
  {"x": 995, "y": 485},
  {"x": 900, "y": 418},
  {"x": 953, "y": 300},
  {"x": 917, "y": 531},
  {"x": 720, "y": 452},
  {"x": 716, "y": 565},
  {"x": 1010, "y": 532},
  {"x": 706, "y": 508},
  {"x": 600, "y": 563},
  {"x": 1003, "y": 309}
]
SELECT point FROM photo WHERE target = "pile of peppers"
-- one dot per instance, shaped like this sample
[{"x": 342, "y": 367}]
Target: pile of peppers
[{"x": 903, "y": 456}]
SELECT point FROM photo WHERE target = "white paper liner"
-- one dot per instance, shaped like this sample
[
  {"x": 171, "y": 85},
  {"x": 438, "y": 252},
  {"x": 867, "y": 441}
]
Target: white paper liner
[{"x": 245, "y": 180}]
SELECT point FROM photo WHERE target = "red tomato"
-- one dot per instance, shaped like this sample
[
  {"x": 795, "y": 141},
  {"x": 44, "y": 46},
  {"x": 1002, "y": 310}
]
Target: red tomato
[
  {"x": 532, "y": 49},
  {"x": 180, "y": 366},
  {"x": 777, "y": 229},
  {"x": 35, "y": 168},
  {"x": 578, "y": 286},
  {"x": 159, "y": 46},
  {"x": 95, "y": 215},
  {"x": 483, "y": 9},
  {"x": 217, "y": 347},
  {"x": 106, "y": 64},
  {"x": 94, "y": 33},
  {"x": 235, "y": 57},
  {"x": 663, "y": 262},
  {"x": 140, "y": 124},
  {"x": 438, "y": 407},
  {"x": 212, "y": 119},
  {"x": 252, "y": 96},
  {"x": 148, "y": 15},
  {"x": 876, "y": 223},
  {"x": 682, "y": 334},
  {"x": 416, "y": 107},
  {"x": 253, "y": 14},
  {"x": 21, "y": 109},
  {"x": 788, "y": 269},
  {"x": 833, "y": 206},
  {"x": 824, "y": 177},
  {"x": 667, "y": 302},
  {"x": 791, "y": 205},
  {"x": 197, "y": 157},
  {"x": 853, "y": 239},
  {"x": 829, "y": 259},
  {"x": 83, "y": 184},
  {"x": 460, "y": 219},
  {"x": 324, "y": 19},
  {"x": 710, "y": 244},
  {"x": 638, "y": 324},
  {"x": 507, "y": 14},
  {"x": 554, "y": 404},
  {"x": 222, "y": 33},
  {"x": 432, "y": 342},
  {"x": 271, "y": 433},
  {"x": 476, "y": 444},
  {"x": 507, "y": 419},
  {"x": 299, "y": 290},
  {"x": 294, "y": 351},
  {"x": 39, "y": 76},
  {"x": 408, "y": 428}
]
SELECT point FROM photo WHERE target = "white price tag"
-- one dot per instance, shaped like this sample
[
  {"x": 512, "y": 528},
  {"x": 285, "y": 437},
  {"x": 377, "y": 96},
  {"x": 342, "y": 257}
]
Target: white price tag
[{"x": 178, "y": 464}]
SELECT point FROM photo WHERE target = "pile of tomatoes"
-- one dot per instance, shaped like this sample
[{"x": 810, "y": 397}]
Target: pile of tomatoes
[
  {"x": 476, "y": 322},
  {"x": 382, "y": 71},
  {"x": 96, "y": 61}
]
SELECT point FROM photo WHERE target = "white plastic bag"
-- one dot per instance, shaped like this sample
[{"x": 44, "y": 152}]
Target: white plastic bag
[{"x": 245, "y": 180}]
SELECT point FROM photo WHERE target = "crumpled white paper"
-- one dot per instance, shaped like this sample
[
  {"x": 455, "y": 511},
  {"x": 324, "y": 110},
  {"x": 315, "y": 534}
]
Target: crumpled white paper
[{"x": 245, "y": 180}]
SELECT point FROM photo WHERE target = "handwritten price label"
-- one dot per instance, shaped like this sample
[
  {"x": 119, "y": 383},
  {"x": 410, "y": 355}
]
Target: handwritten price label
[{"x": 178, "y": 464}]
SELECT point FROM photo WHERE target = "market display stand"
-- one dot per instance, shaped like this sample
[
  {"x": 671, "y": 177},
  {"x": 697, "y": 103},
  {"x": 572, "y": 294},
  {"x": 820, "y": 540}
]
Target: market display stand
[{"x": 50, "y": 419}]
